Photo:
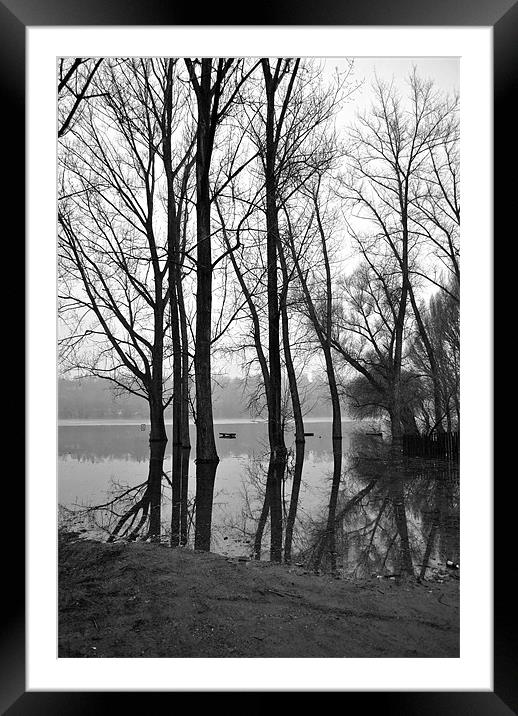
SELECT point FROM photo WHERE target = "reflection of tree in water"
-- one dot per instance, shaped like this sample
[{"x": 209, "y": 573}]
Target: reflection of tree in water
[
  {"x": 368, "y": 538},
  {"x": 99, "y": 519},
  {"x": 96, "y": 443},
  {"x": 367, "y": 533},
  {"x": 368, "y": 526},
  {"x": 433, "y": 494}
]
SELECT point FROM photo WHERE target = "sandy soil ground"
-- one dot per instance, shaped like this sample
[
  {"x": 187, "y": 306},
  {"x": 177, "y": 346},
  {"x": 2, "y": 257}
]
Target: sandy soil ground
[{"x": 143, "y": 600}]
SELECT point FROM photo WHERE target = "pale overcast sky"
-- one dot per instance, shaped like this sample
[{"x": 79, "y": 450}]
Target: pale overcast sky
[{"x": 444, "y": 71}]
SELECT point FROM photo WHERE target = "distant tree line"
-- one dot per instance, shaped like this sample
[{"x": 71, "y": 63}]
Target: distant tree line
[{"x": 234, "y": 398}]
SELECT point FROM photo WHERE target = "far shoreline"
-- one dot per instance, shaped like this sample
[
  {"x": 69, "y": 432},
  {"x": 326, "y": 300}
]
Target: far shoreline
[{"x": 71, "y": 422}]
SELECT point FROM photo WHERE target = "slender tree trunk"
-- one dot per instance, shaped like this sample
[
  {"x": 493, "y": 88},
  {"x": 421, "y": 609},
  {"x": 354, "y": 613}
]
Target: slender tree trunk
[
  {"x": 294, "y": 500},
  {"x": 254, "y": 316},
  {"x": 434, "y": 373},
  {"x": 157, "y": 446},
  {"x": 206, "y": 454},
  {"x": 277, "y": 462},
  {"x": 185, "y": 436},
  {"x": 297, "y": 416},
  {"x": 397, "y": 496},
  {"x": 261, "y": 524},
  {"x": 176, "y": 475},
  {"x": 329, "y": 539},
  {"x": 157, "y": 434},
  {"x": 335, "y": 401},
  {"x": 337, "y": 465},
  {"x": 263, "y": 362},
  {"x": 299, "y": 441},
  {"x": 174, "y": 277},
  {"x": 397, "y": 422},
  {"x": 397, "y": 483},
  {"x": 324, "y": 337}
]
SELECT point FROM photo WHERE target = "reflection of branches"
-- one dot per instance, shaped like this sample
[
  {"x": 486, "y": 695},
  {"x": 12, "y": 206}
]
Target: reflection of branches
[
  {"x": 122, "y": 496},
  {"x": 317, "y": 551},
  {"x": 116, "y": 499},
  {"x": 389, "y": 549},
  {"x": 376, "y": 524}
]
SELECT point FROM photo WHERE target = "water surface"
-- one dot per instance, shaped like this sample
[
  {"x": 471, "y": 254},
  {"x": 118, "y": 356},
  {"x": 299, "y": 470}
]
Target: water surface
[{"x": 97, "y": 458}]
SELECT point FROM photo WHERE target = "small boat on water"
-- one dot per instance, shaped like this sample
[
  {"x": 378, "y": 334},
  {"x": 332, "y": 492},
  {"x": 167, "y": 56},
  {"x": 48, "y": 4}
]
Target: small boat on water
[{"x": 227, "y": 435}]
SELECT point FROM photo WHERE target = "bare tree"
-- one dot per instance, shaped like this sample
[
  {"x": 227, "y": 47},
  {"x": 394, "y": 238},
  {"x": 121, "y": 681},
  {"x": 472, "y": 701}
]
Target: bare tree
[
  {"x": 437, "y": 197},
  {"x": 390, "y": 148},
  {"x": 296, "y": 404},
  {"x": 113, "y": 260},
  {"x": 216, "y": 85},
  {"x": 286, "y": 120},
  {"x": 318, "y": 301},
  {"x": 440, "y": 318},
  {"x": 170, "y": 111},
  {"x": 74, "y": 79}
]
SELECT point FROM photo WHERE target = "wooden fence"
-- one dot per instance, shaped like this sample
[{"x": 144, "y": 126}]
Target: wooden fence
[{"x": 442, "y": 446}]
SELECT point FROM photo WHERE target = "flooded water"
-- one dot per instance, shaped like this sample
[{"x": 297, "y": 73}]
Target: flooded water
[{"x": 100, "y": 459}]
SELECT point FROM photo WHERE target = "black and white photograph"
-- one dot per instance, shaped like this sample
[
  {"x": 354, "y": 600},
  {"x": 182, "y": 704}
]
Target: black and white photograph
[
  {"x": 250, "y": 354},
  {"x": 258, "y": 282}
]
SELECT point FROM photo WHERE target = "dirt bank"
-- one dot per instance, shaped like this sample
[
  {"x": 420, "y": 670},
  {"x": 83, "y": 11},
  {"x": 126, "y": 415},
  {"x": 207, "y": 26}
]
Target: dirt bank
[{"x": 141, "y": 600}]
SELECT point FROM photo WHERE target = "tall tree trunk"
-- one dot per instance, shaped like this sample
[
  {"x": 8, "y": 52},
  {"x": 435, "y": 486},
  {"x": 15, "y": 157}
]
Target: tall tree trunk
[
  {"x": 397, "y": 408},
  {"x": 263, "y": 362},
  {"x": 157, "y": 434},
  {"x": 397, "y": 484},
  {"x": 174, "y": 277},
  {"x": 329, "y": 539},
  {"x": 176, "y": 474},
  {"x": 337, "y": 463},
  {"x": 299, "y": 441},
  {"x": 277, "y": 463},
  {"x": 206, "y": 454},
  {"x": 185, "y": 436},
  {"x": 324, "y": 338},
  {"x": 335, "y": 400},
  {"x": 297, "y": 414}
]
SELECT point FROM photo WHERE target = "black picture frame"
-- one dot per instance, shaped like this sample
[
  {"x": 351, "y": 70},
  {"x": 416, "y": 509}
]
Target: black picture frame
[{"x": 15, "y": 17}]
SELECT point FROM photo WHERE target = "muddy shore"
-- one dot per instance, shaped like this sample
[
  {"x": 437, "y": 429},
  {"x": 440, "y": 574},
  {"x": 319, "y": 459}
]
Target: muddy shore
[{"x": 143, "y": 600}]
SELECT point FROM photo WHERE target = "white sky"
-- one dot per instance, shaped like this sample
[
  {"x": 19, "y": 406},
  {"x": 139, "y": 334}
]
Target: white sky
[{"x": 444, "y": 71}]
